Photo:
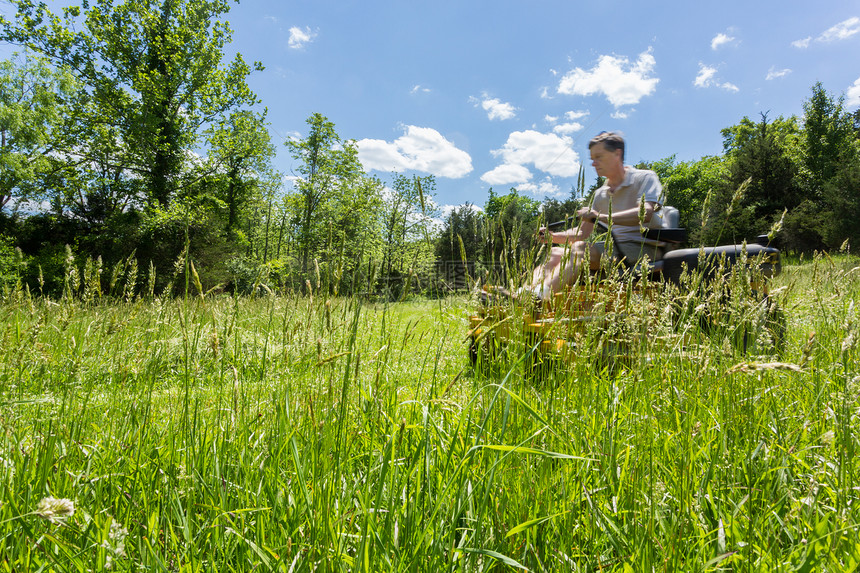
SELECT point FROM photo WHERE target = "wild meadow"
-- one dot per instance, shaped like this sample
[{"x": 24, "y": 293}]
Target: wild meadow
[{"x": 307, "y": 432}]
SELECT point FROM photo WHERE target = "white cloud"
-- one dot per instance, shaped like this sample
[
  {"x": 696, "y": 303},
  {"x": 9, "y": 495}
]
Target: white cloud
[
  {"x": 841, "y": 31},
  {"x": 568, "y": 128},
  {"x": 495, "y": 108},
  {"x": 802, "y": 44},
  {"x": 551, "y": 153},
  {"x": 446, "y": 210},
  {"x": 574, "y": 115},
  {"x": 620, "y": 115},
  {"x": 418, "y": 88},
  {"x": 419, "y": 149},
  {"x": 622, "y": 82},
  {"x": 507, "y": 174},
  {"x": 852, "y": 96},
  {"x": 540, "y": 189},
  {"x": 300, "y": 37},
  {"x": 707, "y": 77},
  {"x": 544, "y": 93},
  {"x": 721, "y": 40},
  {"x": 773, "y": 73}
]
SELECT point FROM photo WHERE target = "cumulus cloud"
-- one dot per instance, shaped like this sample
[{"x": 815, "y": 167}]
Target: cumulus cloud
[
  {"x": 721, "y": 40},
  {"x": 548, "y": 152},
  {"x": 299, "y": 37},
  {"x": 773, "y": 73},
  {"x": 540, "y": 188},
  {"x": 841, "y": 31},
  {"x": 622, "y": 82},
  {"x": 852, "y": 96},
  {"x": 707, "y": 77},
  {"x": 495, "y": 108},
  {"x": 507, "y": 174},
  {"x": 418, "y": 149},
  {"x": 418, "y": 88}
]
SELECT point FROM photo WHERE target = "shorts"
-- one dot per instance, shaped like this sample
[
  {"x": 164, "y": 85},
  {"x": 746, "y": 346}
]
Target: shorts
[{"x": 632, "y": 251}]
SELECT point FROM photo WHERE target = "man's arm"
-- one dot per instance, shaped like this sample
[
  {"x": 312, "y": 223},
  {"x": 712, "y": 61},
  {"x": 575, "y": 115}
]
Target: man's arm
[
  {"x": 586, "y": 216},
  {"x": 628, "y": 216}
]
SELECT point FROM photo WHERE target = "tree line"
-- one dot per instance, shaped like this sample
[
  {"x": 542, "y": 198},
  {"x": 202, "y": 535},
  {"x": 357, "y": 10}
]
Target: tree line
[{"x": 127, "y": 140}]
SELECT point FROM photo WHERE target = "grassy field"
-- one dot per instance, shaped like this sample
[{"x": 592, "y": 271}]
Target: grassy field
[{"x": 294, "y": 433}]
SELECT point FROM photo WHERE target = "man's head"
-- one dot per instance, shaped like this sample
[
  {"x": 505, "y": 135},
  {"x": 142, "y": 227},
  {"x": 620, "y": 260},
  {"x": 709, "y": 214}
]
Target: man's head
[
  {"x": 607, "y": 155},
  {"x": 613, "y": 141}
]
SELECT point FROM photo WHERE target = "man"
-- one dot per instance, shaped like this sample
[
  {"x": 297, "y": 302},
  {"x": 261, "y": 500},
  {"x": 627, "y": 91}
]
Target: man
[{"x": 630, "y": 195}]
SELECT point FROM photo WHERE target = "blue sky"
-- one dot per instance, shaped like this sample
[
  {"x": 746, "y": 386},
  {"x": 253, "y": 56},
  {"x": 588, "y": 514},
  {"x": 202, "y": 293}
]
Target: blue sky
[{"x": 507, "y": 93}]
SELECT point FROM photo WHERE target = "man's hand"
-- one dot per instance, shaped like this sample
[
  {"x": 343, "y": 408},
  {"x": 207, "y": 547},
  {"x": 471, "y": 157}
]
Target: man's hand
[
  {"x": 587, "y": 214},
  {"x": 545, "y": 236}
]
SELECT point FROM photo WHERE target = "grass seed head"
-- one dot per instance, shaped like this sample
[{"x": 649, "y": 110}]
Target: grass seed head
[{"x": 55, "y": 510}]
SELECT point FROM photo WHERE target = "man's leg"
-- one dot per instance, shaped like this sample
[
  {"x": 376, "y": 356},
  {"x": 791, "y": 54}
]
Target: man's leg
[
  {"x": 634, "y": 252},
  {"x": 563, "y": 270},
  {"x": 550, "y": 265}
]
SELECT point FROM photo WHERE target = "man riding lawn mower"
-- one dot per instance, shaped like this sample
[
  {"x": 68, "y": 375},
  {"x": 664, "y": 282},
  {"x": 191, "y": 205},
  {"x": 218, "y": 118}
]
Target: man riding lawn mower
[{"x": 627, "y": 237}]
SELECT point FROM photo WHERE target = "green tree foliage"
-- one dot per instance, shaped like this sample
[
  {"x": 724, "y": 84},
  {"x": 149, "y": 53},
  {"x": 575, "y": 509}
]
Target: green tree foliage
[
  {"x": 335, "y": 212},
  {"x": 831, "y": 160},
  {"x": 327, "y": 166},
  {"x": 154, "y": 76},
  {"x": 241, "y": 153},
  {"x": 554, "y": 210},
  {"x": 407, "y": 209},
  {"x": 464, "y": 224},
  {"x": 512, "y": 224},
  {"x": 829, "y": 139},
  {"x": 32, "y": 100},
  {"x": 690, "y": 187},
  {"x": 766, "y": 153}
]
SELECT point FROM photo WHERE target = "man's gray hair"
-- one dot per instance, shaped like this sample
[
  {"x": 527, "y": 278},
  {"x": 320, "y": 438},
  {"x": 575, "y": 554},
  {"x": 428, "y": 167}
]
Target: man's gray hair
[{"x": 611, "y": 139}]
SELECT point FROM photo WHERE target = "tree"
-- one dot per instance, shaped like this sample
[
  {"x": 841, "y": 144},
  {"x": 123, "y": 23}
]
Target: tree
[
  {"x": 831, "y": 160},
  {"x": 464, "y": 224},
  {"x": 32, "y": 95},
  {"x": 828, "y": 137},
  {"x": 554, "y": 210},
  {"x": 330, "y": 174},
  {"x": 405, "y": 217},
  {"x": 241, "y": 152},
  {"x": 153, "y": 72},
  {"x": 767, "y": 154},
  {"x": 512, "y": 222},
  {"x": 693, "y": 187},
  {"x": 326, "y": 163}
]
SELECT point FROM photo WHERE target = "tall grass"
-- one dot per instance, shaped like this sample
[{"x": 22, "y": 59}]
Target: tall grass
[{"x": 306, "y": 433}]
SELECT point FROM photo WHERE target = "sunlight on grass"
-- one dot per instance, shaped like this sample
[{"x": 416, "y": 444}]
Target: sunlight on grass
[{"x": 290, "y": 433}]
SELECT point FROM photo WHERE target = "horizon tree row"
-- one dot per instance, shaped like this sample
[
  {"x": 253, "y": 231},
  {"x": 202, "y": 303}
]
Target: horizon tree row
[{"x": 125, "y": 134}]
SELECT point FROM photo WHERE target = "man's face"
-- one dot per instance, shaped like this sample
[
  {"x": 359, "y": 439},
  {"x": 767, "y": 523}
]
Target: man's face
[{"x": 604, "y": 160}]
